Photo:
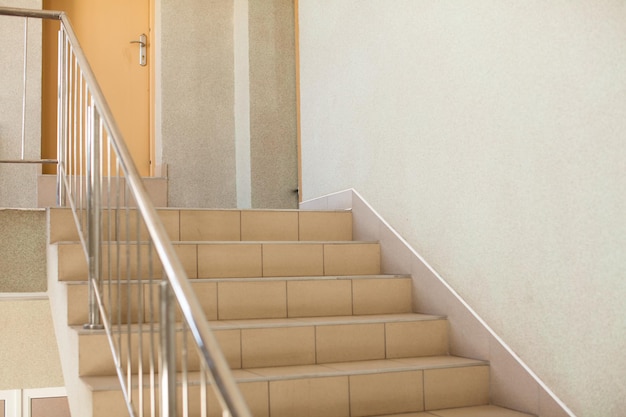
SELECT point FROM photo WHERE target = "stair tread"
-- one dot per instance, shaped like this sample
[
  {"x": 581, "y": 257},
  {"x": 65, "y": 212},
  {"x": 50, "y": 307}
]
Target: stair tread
[
  {"x": 291, "y": 322},
  {"x": 264, "y": 279},
  {"x": 477, "y": 411},
  {"x": 321, "y": 321},
  {"x": 107, "y": 383},
  {"x": 361, "y": 367},
  {"x": 232, "y": 242},
  {"x": 280, "y": 210}
]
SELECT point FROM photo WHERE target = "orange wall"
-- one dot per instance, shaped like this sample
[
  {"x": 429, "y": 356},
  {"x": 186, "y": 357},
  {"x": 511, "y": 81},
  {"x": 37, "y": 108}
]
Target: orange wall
[
  {"x": 105, "y": 30},
  {"x": 49, "y": 88}
]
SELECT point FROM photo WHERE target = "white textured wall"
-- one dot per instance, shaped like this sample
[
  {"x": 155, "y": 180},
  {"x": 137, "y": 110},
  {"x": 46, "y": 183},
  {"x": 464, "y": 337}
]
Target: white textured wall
[
  {"x": 195, "y": 130},
  {"x": 225, "y": 102},
  {"x": 491, "y": 135},
  {"x": 18, "y": 182}
]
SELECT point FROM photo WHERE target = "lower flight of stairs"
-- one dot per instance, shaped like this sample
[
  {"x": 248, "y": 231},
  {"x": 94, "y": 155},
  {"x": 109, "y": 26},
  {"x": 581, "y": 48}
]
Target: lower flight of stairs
[{"x": 304, "y": 316}]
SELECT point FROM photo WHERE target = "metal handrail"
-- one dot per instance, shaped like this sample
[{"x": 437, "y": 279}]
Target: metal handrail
[{"x": 84, "y": 193}]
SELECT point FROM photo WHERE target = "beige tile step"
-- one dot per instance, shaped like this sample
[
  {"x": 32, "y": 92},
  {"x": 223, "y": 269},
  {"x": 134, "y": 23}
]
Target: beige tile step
[
  {"x": 367, "y": 388},
  {"x": 479, "y": 411},
  {"x": 285, "y": 342},
  {"x": 229, "y": 259},
  {"x": 249, "y": 298},
  {"x": 217, "y": 225}
]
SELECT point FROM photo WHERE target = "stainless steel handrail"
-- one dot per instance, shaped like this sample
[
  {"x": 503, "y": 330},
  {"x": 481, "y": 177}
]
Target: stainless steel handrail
[
  {"x": 41, "y": 14},
  {"x": 28, "y": 161},
  {"x": 102, "y": 123}
]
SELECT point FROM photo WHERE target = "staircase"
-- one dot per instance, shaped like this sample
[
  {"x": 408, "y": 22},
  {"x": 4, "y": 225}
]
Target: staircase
[{"x": 304, "y": 316}]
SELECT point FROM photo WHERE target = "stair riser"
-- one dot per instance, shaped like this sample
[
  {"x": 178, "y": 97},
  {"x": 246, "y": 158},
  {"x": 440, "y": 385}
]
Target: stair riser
[
  {"x": 284, "y": 346},
  {"x": 377, "y": 394},
  {"x": 111, "y": 403},
  {"x": 228, "y": 300},
  {"x": 215, "y": 225},
  {"x": 343, "y": 396},
  {"x": 230, "y": 260}
]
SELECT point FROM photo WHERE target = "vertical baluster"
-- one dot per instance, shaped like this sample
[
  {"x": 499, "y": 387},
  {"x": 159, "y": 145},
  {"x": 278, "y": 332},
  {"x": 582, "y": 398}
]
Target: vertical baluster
[
  {"x": 93, "y": 215},
  {"x": 167, "y": 359},
  {"x": 79, "y": 171},
  {"x": 185, "y": 394},
  {"x": 129, "y": 371},
  {"x": 109, "y": 238},
  {"x": 118, "y": 262},
  {"x": 151, "y": 318},
  {"x": 140, "y": 317},
  {"x": 60, "y": 117},
  {"x": 82, "y": 128},
  {"x": 66, "y": 92},
  {"x": 203, "y": 390},
  {"x": 72, "y": 158},
  {"x": 70, "y": 105},
  {"x": 69, "y": 102}
]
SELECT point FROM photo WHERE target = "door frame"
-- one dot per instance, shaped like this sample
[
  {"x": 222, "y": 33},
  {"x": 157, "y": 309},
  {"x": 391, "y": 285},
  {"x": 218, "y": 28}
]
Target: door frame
[{"x": 298, "y": 115}]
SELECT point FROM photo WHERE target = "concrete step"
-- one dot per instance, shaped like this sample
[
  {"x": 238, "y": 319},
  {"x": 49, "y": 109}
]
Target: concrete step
[
  {"x": 262, "y": 298},
  {"x": 361, "y": 388},
  {"x": 215, "y": 225},
  {"x": 280, "y": 342},
  {"x": 227, "y": 259}
]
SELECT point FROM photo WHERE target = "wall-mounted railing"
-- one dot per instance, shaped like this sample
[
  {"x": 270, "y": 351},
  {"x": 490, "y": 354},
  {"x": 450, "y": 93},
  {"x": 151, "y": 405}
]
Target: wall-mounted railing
[{"x": 137, "y": 286}]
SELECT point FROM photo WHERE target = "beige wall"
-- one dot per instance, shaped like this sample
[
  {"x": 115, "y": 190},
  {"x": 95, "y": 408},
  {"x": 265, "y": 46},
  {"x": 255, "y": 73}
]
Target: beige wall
[
  {"x": 273, "y": 104},
  {"x": 196, "y": 127},
  {"x": 490, "y": 135},
  {"x": 18, "y": 183},
  {"x": 31, "y": 348},
  {"x": 200, "y": 91}
]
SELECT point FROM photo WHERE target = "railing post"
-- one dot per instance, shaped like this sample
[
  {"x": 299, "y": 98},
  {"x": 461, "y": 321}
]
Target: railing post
[
  {"x": 93, "y": 215},
  {"x": 167, "y": 358},
  {"x": 61, "y": 119}
]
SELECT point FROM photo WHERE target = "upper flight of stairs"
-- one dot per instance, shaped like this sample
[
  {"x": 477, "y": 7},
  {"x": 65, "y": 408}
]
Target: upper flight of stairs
[{"x": 304, "y": 316}]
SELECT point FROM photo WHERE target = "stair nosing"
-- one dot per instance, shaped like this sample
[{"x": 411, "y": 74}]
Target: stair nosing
[
  {"x": 244, "y": 324},
  {"x": 327, "y": 371},
  {"x": 232, "y": 242},
  {"x": 257, "y": 279}
]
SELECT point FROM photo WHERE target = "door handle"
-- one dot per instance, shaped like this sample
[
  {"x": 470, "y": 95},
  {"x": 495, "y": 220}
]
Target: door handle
[{"x": 143, "y": 43}]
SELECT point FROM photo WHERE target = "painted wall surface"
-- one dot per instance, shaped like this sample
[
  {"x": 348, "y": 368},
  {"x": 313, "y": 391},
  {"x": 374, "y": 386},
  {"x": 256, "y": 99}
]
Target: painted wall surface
[
  {"x": 226, "y": 121},
  {"x": 274, "y": 164},
  {"x": 196, "y": 127},
  {"x": 490, "y": 135},
  {"x": 18, "y": 182},
  {"x": 32, "y": 349},
  {"x": 23, "y": 255}
]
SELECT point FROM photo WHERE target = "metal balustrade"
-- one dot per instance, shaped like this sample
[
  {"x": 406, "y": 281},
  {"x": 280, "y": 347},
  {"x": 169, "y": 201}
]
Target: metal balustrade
[{"x": 137, "y": 286}]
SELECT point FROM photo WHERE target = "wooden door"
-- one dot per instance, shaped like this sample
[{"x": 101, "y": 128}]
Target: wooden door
[{"x": 106, "y": 30}]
